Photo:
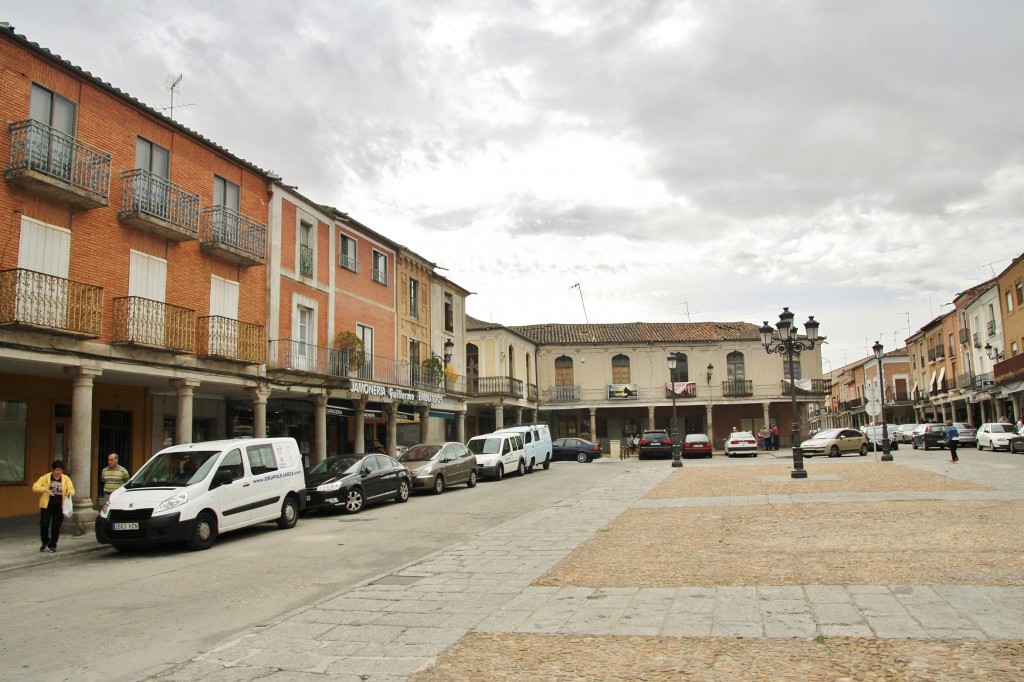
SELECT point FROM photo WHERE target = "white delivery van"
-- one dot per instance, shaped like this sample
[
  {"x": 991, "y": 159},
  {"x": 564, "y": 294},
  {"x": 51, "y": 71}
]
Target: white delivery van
[
  {"x": 498, "y": 454},
  {"x": 191, "y": 493},
  {"x": 536, "y": 443}
]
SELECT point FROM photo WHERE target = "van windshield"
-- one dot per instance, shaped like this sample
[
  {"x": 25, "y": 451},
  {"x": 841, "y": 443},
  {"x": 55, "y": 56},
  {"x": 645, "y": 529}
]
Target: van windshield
[
  {"x": 485, "y": 446},
  {"x": 174, "y": 469}
]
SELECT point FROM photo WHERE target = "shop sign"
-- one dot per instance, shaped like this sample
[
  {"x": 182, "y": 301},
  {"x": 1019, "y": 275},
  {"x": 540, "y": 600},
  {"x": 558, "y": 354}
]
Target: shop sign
[{"x": 397, "y": 394}]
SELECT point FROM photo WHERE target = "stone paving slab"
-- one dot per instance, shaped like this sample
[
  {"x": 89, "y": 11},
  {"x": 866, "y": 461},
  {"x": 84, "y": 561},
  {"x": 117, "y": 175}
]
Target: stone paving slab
[
  {"x": 887, "y": 543},
  {"x": 489, "y": 656}
]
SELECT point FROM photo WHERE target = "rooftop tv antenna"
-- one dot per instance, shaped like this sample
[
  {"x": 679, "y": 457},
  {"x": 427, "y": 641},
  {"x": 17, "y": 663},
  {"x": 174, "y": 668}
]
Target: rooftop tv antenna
[
  {"x": 577, "y": 286},
  {"x": 687, "y": 313},
  {"x": 989, "y": 265},
  {"x": 172, "y": 84}
]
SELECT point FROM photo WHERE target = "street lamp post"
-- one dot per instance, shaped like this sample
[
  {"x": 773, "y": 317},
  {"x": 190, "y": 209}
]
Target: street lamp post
[
  {"x": 711, "y": 421},
  {"x": 790, "y": 343},
  {"x": 676, "y": 461},
  {"x": 886, "y": 454}
]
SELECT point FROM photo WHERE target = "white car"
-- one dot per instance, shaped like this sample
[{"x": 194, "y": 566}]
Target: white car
[
  {"x": 996, "y": 436},
  {"x": 741, "y": 443}
]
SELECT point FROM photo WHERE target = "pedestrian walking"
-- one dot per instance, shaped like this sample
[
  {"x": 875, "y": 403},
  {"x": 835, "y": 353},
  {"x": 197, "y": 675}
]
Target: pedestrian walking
[
  {"x": 113, "y": 475},
  {"x": 774, "y": 431},
  {"x": 952, "y": 440},
  {"x": 55, "y": 488}
]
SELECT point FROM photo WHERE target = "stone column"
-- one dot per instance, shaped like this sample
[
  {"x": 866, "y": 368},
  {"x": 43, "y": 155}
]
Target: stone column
[
  {"x": 260, "y": 394},
  {"x": 183, "y": 424},
  {"x": 460, "y": 426},
  {"x": 519, "y": 415},
  {"x": 764, "y": 409},
  {"x": 650, "y": 418},
  {"x": 319, "y": 452},
  {"x": 80, "y": 450},
  {"x": 425, "y": 423},
  {"x": 360, "y": 427},
  {"x": 711, "y": 426},
  {"x": 391, "y": 410},
  {"x": 593, "y": 424},
  {"x": 499, "y": 416}
]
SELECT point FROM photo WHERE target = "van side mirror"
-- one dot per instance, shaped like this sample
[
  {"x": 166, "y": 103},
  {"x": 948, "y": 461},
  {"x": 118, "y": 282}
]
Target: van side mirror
[{"x": 223, "y": 477}]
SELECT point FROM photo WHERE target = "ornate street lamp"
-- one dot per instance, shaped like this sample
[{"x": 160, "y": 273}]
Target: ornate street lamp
[
  {"x": 448, "y": 348},
  {"x": 711, "y": 421},
  {"x": 789, "y": 343},
  {"x": 993, "y": 353},
  {"x": 676, "y": 461},
  {"x": 886, "y": 454}
]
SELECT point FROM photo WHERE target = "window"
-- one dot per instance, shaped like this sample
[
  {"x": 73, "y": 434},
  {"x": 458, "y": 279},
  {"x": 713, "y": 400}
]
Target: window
[
  {"x": 52, "y": 110},
  {"x": 44, "y": 249},
  {"x": 225, "y": 193},
  {"x": 223, "y": 331},
  {"x": 1020, "y": 292},
  {"x": 365, "y": 335},
  {"x": 1013, "y": 348},
  {"x": 785, "y": 369},
  {"x": 232, "y": 462},
  {"x": 735, "y": 367},
  {"x": 563, "y": 371},
  {"x": 305, "y": 249},
  {"x": 226, "y": 226},
  {"x": 261, "y": 458},
  {"x": 51, "y": 149},
  {"x": 150, "y": 190},
  {"x": 414, "y": 352},
  {"x": 152, "y": 158},
  {"x": 1009, "y": 301},
  {"x": 620, "y": 369},
  {"x": 681, "y": 374},
  {"x": 347, "y": 253},
  {"x": 147, "y": 276},
  {"x": 13, "y": 430},
  {"x": 414, "y": 298},
  {"x": 380, "y": 268},
  {"x": 449, "y": 313}
]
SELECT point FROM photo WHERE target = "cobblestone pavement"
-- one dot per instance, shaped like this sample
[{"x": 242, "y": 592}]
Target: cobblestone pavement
[{"x": 720, "y": 570}]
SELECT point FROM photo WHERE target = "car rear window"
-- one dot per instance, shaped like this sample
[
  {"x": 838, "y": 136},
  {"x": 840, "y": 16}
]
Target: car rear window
[{"x": 655, "y": 434}]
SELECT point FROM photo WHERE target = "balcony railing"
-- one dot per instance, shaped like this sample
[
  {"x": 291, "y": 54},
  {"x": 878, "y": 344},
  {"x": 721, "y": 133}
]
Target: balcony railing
[
  {"x": 684, "y": 394},
  {"x": 980, "y": 379},
  {"x": 151, "y": 203},
  {"x": 931, "y": 355},
  {"x": 287, "y": 355},
  {"x": 564, "y": 394},
  {"x": 976, "y": 337},
  {"x": 154, "y": 324},
  {"x": 815, "y": 387},
  {"x": 941, "y": 389},
  {"x": 496, "y": 386},
  {"x": 223, "y": 337},
  {"x": 32, "y": 300},
  {"x": 379, "y": 276},
  {"x": 233, "y": 237},
  {"x": 963, "y": 336},
  {"x": 305, "y": 261},
  {"x": 58, "y": 166},
  {"x": 737, "y": 388},
  {"x": 348, "y": 262},
  {"x": 964, "y": 380},
  {"x": 532, "y": 394},
  {"x": 990, "y": 326}
]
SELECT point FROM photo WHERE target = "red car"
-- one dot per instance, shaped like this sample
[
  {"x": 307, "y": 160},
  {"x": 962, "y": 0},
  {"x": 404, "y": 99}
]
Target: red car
[{"x": 696, "y": 445}]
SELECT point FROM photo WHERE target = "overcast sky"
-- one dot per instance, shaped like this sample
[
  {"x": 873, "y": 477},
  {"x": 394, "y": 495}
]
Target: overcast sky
[{"x": 860, "y": 161}]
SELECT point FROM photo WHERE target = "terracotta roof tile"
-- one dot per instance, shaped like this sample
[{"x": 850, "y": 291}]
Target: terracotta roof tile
[{"x": 636, "y": 332}]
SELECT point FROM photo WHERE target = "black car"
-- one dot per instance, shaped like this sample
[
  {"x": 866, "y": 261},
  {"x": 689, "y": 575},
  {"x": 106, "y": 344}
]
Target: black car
[
  {"x": 929, "y": 436},
  {"x": 875, "y": 437},
  {"x": 655, "y": 444},
  {"x": 347, "y": 482},
  {"x": 575, "y": 448}
]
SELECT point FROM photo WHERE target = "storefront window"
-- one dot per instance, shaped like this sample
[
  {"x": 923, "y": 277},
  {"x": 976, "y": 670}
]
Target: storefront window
[{"x": 13, "y": 427}]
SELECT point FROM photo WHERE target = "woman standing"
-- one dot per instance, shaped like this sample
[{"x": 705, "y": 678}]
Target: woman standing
[{"x": 55, "y": 487}]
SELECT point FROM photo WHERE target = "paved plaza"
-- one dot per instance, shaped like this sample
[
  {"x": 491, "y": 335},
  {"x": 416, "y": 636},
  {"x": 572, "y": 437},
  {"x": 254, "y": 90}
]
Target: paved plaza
[{"x": 720, "y": 570}]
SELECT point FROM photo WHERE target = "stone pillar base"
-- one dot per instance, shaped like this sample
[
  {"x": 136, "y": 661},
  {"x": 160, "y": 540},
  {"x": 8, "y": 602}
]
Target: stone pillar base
[{"x": 83, "y": 519}]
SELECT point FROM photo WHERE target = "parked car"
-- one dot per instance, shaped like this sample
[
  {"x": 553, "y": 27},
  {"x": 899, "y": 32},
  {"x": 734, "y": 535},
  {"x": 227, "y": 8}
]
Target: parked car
[
  {"x": 875, "y": 436},
  {"x": 348, "y": 482},
  {"x": 575, "y": 448},
  {"x": 696, "y": 445},
  {"x": 498, "y": 453},
  {"x": 536, "y": 443},
  {"x": 929, "y": 436},
  {"x": 741, "y": 443},
  {"x": 655, "y": 444},
  {"x": 968, "y": 434},
  {"x": 998, "y": 436},
  {"x": 905, "y": 432},
  {"x": 436, "y": 466},
  {"x": 835, "y": 443}
]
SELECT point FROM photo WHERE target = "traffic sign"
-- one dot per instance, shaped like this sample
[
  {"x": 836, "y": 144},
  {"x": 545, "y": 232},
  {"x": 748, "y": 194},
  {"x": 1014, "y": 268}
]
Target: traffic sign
[
  {"x": 873, "y": 407},
  {"x": 988, "y": 383}
]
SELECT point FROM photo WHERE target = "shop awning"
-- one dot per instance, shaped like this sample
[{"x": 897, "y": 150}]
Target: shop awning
[
  {"x": 931, "y": 384},
  {"x": 942, "y": 375},
  {"x": 441, "y": 414}
]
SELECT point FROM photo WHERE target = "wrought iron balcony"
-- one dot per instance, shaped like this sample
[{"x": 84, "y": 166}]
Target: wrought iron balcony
[
  {"x": 496, "y": 386},
  {"x": 153, "y": 204},
  {"x": 223, "y": 337},
  {"x": 990, "y": 327},
  {"x": 230, "y": 235},
  {"x": 307, "y": 358},
  {"x": 737, "y": 388},
  {"x": 379, "y": 276},
  {"x": 32, "y": 300},
  {"x": 976, "y": 337},
  {"x": 55, "y": 165},
  {"x": 564, "y": 394},
  {"x": 286, "y": 355},
  {"x": 964, "y": 380},
  {"x": 814, "y": 387},
  {"x": 980, "y": 379},
  {"x": 685, "y": 394},
  {"x": 153, "y": 324},
  {"x": 532, "y": 394}
]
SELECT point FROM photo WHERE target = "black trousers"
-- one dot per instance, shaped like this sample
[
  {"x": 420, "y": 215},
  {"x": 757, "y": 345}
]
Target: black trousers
[
  {"x": 50, "y": 519},
  {"x": 952, "y": 449}
]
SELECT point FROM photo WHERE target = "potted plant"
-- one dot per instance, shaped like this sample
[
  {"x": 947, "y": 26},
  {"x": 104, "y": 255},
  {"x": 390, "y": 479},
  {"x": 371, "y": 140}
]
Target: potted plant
[{"x": 352, "y": 350}]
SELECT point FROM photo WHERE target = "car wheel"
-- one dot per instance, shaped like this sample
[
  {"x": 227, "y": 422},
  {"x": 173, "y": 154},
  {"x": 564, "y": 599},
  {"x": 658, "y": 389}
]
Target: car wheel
[
  {"x": 581, "y": 457},
  {"x": 205, "y": 532},
  {"x": 914, "y": 445},
  {"x": 354, "y": 501},
  {"x": 834, "y": 452},
  {"x": 521, "y": 468},
  {"x": 438, "y": 484},
  {"x": 863, "y": 450},
  {"x": 925, "y": 445},
  {"x": 471, "y": 483},
  {"x": 289, "y": 513},
  {"x": 547, "y": 463},
  {"x": 529, "y": 469},
  {"x": 500, "y": 473},
  {"x": 403, "y": 492}
]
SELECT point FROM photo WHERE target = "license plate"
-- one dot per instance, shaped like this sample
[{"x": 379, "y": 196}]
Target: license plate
[
  {"x": 309, "y": 498},
  {"x": 132, "y": 525}
]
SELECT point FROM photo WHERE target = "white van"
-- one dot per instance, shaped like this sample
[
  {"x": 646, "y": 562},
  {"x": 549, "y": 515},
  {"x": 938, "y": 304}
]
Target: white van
[
  {"x": 536, "y": 442},
  {"x": 191, "y": 493},
  {"x": 498, "y": 454}
]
